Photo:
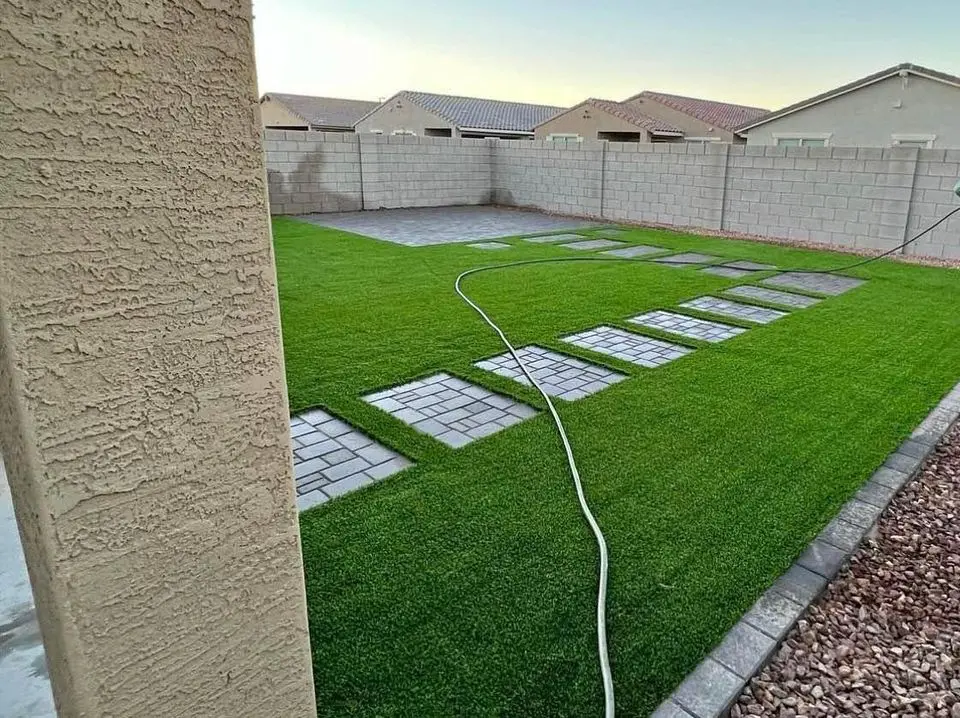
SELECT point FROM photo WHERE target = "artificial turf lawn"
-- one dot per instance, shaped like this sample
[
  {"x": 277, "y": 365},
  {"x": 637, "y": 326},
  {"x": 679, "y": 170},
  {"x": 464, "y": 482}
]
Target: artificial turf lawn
[{"x": 467, "y": 584}]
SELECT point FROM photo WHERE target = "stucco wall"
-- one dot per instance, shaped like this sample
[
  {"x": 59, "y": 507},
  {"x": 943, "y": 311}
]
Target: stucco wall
[
  {"x": 691, "y": 126},
  {"x": 276, "y": 114},
  {"x": 143, "y": 417},
  {"x": 401, "y": 114},
  {"x": 869, "y": 117},
  {"x": 586, "y": 121}
]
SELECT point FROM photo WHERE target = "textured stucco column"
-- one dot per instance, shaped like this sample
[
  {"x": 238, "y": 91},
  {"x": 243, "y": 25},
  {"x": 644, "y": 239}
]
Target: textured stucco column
[{"x": 142, "y": 401}]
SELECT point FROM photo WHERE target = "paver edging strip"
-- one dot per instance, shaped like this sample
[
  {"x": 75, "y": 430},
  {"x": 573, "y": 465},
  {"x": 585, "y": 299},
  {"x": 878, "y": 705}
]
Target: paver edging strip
[{"x": 711, "y": 689}]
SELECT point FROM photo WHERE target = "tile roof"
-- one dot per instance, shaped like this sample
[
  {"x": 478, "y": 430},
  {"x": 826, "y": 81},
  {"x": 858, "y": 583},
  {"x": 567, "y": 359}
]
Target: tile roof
[
  {"x": 883, "y": 74},
  {"x": 324, "y": 111},
  {"x": 474, "y": 112},
  {"x": 634, "y": 116},
  {"x": 719, "y": 114}
]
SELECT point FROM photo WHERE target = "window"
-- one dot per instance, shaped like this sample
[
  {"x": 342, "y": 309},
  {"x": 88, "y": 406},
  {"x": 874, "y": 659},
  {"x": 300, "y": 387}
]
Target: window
[
  {"x": 922, "y": 141},
  {"x": 376, "y": 132},
  {"x": 437, "y": 132},
  {"x": 410, "y": 133},
  {"x": 702, "y": 140},
  {"x": 801, "y": 141},
  {"x": 564, "y": 138}
]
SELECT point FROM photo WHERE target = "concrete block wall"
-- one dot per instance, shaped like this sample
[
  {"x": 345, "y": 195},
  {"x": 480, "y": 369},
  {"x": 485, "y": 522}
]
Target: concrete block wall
[
  {"x": 677, "y": 184},
  {"x": 544, "y": 175},
  {"x": 858, "y": 197},
  {"x": 312, "y": 171},
  {"x": 408, "y": 171},
  {"x": 937, "y": 173}
]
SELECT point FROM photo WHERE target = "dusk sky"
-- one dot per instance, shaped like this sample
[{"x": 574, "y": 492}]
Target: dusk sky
[{"x": 766, "y": 54}]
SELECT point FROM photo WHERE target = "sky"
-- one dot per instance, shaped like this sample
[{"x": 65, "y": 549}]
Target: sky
[{"x": 766, "y": 54}]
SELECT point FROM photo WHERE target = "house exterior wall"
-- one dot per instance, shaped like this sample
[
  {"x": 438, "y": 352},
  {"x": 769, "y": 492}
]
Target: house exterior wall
[
  {"x": 399, "y": 113},
  {"x": 143, "y": 414},
  {"x": 868, "y": 117},
  {"x": 691, "y": 126},
  {"x": 574, "y": 121},
  {"x": 276, "y": 114}
]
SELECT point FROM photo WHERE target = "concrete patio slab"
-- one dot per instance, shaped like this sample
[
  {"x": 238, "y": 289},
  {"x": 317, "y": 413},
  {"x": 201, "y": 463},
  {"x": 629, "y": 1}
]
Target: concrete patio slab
[
  {"x": 684, "y": 326},
  {"x": 450, "y": 410},
  {"x": 558, "y": 374},
  {"x": 630, "y": 347},
  {"x": 331, "y": 458},
  {"x": 422, "y": 226}
]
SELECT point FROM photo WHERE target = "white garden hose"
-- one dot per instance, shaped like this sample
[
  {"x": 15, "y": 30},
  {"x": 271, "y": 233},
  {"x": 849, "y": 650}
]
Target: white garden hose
[{"x": 609, "y": 708}]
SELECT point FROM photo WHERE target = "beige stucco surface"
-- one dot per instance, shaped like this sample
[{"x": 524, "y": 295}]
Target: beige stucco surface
[
  {"x": 401, "y": 114},
  {"x": 143, "y": 418},
  {"x": 276, "y": 114},
  {"x": 868, "y": 117},
  {"x": 691, "y": 126},
  {"x": 586, "y": 121}
]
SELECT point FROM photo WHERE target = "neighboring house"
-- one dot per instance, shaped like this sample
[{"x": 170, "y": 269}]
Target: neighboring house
[
  {"x": 595, "y": 119},
  {"x": 430, "y": 115},
  {"x": 281, "y": 111},
  {"x": 700, "y": 120},
  {"x": 902, "y": 106}
]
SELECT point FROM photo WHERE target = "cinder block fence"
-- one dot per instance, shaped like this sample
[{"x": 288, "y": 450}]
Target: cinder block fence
[{"x": 844, "y": 196}]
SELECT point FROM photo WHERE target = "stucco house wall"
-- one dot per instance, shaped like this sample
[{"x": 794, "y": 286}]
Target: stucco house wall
[
  {"x": 587, "y": 121},
  {"x": 871, "y": 115},
  {"x": 277, "y": 115},
  {"x": 401, "y": 115},
  {"x": 691, "y": 126}
]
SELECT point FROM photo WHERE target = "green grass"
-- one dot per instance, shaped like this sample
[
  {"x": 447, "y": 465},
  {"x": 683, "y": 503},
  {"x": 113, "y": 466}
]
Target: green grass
[{"x": 466, "y": 585}]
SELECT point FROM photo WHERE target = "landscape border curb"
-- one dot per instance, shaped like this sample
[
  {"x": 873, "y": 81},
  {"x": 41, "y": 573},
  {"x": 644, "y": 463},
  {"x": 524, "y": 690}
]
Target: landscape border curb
[{"x": 711, "y": 689}]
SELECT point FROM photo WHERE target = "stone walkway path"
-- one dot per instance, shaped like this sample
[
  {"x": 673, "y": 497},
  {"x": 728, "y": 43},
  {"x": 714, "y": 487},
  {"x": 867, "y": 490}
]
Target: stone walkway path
[{"x": 331, "y": 457}]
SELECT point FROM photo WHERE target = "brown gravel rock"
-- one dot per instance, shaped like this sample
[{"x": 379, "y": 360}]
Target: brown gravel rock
[{"x": 884, "y": 640}]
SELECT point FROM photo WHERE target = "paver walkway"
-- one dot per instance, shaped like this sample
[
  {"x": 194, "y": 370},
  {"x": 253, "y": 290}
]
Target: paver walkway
[
  {"x": 634, "y": 348},
  {"x": 593, "y": 244},
  {"x": 774, "y": 296},
  {"x": 727, "y": 308},
  {"x": 417, "y": 227},
  {"x": 489, "y": 245},
  {"x": 685, "y": 259},
  {"x": 565, "y": 237},
  {"x": 558, "y": 374},
  {"x": 821, "y": 283},
  {"x": 690, "y": 327}
]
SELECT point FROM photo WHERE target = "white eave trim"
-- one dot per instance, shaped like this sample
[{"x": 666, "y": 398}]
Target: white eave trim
[
  {"x": 497, "y": 132},
  {"x": 895, "y": 73}
]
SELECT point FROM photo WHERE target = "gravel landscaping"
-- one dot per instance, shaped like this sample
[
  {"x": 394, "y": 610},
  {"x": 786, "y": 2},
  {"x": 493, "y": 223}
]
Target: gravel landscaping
[{"x": 884, "y": 640}]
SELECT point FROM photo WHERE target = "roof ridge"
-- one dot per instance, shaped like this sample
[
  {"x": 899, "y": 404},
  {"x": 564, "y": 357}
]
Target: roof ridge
[{"x": 702, "y": 99}]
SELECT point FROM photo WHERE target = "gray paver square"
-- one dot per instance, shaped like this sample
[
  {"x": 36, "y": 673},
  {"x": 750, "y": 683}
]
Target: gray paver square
[
  {"x": 489, "y": 245},
  {"x": 727, "y": 308},
  {"x": 685, "y": 326},
  {"x": 728, "y": 272},
  {"x": 708, "y": 690},
  {"x": 566, "y": 237},
  {"x": 744, "y": 649},
  {"x": 637, "y": 250},
  {"x": 774, "y": 296},
  {"x": 422, "y": 226},
  {"x": 478, "y": 412},
  {"x": 611, "y": 232},
  {"x": 558, "y": 374},
  {"x": 819, "y": 282},
  {"x": 593, "y": 244},
  {"x": 686, "y": 258},
  {"x": 630, "y": 347},
  {"x": 335, "y": 458},
  {"x": 747, "y": 264}
]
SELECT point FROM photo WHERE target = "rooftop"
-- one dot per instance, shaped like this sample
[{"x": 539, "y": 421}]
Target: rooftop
[
  {"x": 725, "y": 115},
  {"x": 324, "y": 111}
]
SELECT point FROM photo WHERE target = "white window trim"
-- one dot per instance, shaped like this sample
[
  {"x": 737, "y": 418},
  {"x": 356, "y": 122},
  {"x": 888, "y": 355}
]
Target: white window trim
[
  {"x": 825, "y": 136},
  {"x": 405, "y": 133},
  {"x": 703, "y": 139},
  {"x": 898, "y": 138},
  {"x": 564, "y": 136}
]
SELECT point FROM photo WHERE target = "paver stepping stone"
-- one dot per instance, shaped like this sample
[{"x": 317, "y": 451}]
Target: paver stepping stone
[
  {"x": 553, "y": 238},
  {"x": 747, "y": 264},
  {"x": 637, "y": 250},
  {"x": 634, "y": 348},
  {"x": 330, "y": 458},
  {"x": 489, "y": 245},
  {"x": 750, "y": 291},
  {"x": 819, "y": 282},
  {"x": 612, "y": 232},
  {"x": 593, "y": 244},
  {"x": 727, "y": 308},
  {"x": 450, "y": 410},
  {"x": 558, "y": 374},
  {"x": 686, "y": 258},
  {"x": 731, "y": 272},
  {"x": 685, "y": 326}
]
